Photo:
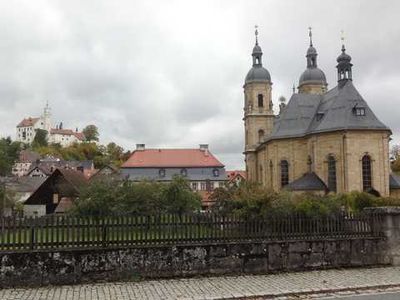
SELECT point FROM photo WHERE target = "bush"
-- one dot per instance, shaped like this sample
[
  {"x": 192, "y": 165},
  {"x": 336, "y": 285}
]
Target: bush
[{"x": 106, "y": 196}]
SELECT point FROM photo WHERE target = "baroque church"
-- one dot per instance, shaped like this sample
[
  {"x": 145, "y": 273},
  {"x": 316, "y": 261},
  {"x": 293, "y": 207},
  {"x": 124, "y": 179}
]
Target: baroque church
[{"x": 322, "y": 140}]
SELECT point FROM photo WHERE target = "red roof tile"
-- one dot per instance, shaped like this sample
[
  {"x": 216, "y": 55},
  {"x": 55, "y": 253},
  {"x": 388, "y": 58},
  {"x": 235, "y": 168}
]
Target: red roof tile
[
  {"x": 28, "y": 122},
  {"x": 70, "y": 132},
  {"x": 233, "y": 174},
  {"x": 171, "y": 158}
]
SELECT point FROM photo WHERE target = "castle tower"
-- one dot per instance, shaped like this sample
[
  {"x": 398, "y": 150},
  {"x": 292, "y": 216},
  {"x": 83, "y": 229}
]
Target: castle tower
[
  {"x": 46, "y": 117},
  {"x": 258, "y": 113},
  {"x": 313, "y": 80}
]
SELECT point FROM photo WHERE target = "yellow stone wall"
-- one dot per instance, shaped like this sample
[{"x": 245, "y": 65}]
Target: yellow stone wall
[
  {"x": 312, "y": 89},
  {"x": 395, "y": 193},
  {"x": 348, "y": 148}
]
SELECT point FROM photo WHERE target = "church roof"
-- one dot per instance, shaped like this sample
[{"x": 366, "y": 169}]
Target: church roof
[
  {"x": 335, "y": 110},
  {"x": 308, "y": 182}
]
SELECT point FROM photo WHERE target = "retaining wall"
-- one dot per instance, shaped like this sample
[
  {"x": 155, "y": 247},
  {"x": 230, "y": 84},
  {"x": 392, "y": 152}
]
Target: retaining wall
[{"x": 77, "y": 266}]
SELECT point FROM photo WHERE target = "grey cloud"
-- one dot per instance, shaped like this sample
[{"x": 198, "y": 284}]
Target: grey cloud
[{"x": 171, "y": 73}]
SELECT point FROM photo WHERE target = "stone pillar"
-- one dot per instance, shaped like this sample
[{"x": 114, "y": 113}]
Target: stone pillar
[{"x": 390, "y": 227}]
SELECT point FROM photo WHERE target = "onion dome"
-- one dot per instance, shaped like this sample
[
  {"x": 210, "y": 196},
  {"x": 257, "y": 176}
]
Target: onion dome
[
  {"x": 257, "y": 73},
  {"x": 312, "y": 75}
]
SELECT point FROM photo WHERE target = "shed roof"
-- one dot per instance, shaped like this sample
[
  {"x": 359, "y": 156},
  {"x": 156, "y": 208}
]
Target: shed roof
[{"x": 308, "y": 182}]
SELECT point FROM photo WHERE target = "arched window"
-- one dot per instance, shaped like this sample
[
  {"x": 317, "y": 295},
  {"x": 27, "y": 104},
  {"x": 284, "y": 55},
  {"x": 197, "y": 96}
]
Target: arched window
[
  {"x": 331, "y": 173},
  {"x": 260, "y": 135},
  {"x": 284, "y": 173},
  {"x": 366, "y": 173},
  {"x": 260, "y": 100}
]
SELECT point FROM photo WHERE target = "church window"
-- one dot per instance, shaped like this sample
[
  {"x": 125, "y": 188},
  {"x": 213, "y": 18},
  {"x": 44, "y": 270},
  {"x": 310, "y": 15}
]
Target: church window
[
  {"x": 284, "y": 173},
  {"x": 366, "y": 172},
  {"x": 260, "y": 100},
  {"x": 260, "y": 135},
  {"x": 331, "y": 173}
]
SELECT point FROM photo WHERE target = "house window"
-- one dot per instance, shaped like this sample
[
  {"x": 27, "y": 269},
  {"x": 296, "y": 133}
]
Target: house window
[
  {"x": 331, "y": 173},
  {"x": 194, "y": 186},
  {"x": 260, "y": 100},
  {"x": 203, "y": 186},
  {"x": 55, "y": 198},
  {"x": 359, "y": 111},
  {"x": 366, "y": 172},
  {"x": 215, "y": 172},
  {"x": 212, "y": 185},
  {"x": 284, "y": 173},
  {"x": 184, "y": 172},
  {"x": 161, "y": 172}
]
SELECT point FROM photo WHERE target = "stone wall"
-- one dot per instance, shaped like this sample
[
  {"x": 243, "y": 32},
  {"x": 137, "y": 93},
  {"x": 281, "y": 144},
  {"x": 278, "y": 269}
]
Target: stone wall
[{"x": 76, "y": 266}]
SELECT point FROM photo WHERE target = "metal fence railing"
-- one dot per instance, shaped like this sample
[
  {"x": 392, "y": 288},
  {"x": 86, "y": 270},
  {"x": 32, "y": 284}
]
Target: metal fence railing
[{"x": 65, "y": 232}]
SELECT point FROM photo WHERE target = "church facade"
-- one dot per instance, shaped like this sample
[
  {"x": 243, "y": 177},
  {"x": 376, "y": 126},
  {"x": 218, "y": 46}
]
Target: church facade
[{"x": 322, "y": 140}]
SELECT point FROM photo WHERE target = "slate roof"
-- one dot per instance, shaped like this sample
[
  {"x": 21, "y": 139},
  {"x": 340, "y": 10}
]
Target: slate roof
[
  {"x": 308, "y": 182},
  {"x": 307, "y": 114},
  {"x": 156, "y": 158},
  {"x": 394, "y": 181}
]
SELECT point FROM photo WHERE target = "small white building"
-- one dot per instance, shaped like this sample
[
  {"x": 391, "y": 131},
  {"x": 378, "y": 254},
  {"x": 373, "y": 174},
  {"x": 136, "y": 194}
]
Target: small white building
[{"x": 65, "y": 137}]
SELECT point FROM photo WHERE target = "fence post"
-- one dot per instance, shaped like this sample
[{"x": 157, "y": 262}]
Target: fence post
[
  {"x": 389, "y": 225},
  {"x": 32, "y": 242},
  {"x": 104, "y": 232}
]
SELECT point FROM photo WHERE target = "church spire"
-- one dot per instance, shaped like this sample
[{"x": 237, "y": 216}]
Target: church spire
[
  {"x": 257, "y": 52},
  {"x": 344, "y": 64}
]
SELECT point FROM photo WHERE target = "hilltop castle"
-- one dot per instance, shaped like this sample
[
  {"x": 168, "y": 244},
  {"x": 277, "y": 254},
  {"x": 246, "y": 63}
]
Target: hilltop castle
[
  {"x": 26, "y": 130},
  {"x": 322, "y": 140}
]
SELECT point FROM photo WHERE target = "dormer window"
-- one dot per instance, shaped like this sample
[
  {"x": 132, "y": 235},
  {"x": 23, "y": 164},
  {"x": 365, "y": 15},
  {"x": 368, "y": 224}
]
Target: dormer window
[
  {"x": 184, "y": 172},
  {"x": 359, "y": 111},
  {"x": 215, "y": 172},
  {"x": 161, "y": 172},
  {"x": 320, "y": 115}
]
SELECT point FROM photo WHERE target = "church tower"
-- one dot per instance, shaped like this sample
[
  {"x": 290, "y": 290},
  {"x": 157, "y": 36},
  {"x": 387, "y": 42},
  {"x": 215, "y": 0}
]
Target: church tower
[
  {"x": 313, "y": 80},
  {"x": 258, "y": 113},
  {"x": 46, "y": 118}
]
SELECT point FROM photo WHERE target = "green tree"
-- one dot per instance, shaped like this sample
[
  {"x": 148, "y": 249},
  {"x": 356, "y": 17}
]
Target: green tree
[
  {"x": 7, "y": 199},
  {"x": 9, "y": 152},
  {"x": 91, "y": 133},
  {"x": 40, "y": 139},
  {"x": 179, "y": 198}
]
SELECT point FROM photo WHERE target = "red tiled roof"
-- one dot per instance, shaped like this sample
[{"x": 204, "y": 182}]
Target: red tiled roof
[
  {"x": 79, "y": 136},
  {"x": 233, "y": 174},
  {"x": 28, "y": 122},
  {"x": 171, "y": 158},
  {"x": 70, "y": 132}
]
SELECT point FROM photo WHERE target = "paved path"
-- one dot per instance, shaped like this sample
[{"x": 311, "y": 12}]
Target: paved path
[{"x": 248, "y": 286}]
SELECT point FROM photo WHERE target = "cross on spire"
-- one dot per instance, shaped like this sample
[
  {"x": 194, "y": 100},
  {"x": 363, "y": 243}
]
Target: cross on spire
[
  {"x": 256, "y": 33},
  {"x": 310, "y": 35},
  {"x": 342, "y": 38}
]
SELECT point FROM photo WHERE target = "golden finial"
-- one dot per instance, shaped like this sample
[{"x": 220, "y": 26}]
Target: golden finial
[{"x": 342, "y": 38}]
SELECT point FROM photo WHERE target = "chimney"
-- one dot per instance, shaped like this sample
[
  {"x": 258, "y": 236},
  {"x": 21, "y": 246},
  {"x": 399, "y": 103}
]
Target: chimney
[
  {"x": 204, "y": 148},
  {"x": 140, "y": 147}
]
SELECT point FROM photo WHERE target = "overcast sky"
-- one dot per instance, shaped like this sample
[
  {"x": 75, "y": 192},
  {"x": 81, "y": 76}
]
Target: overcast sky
[{"x": 170, "y": 73}]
